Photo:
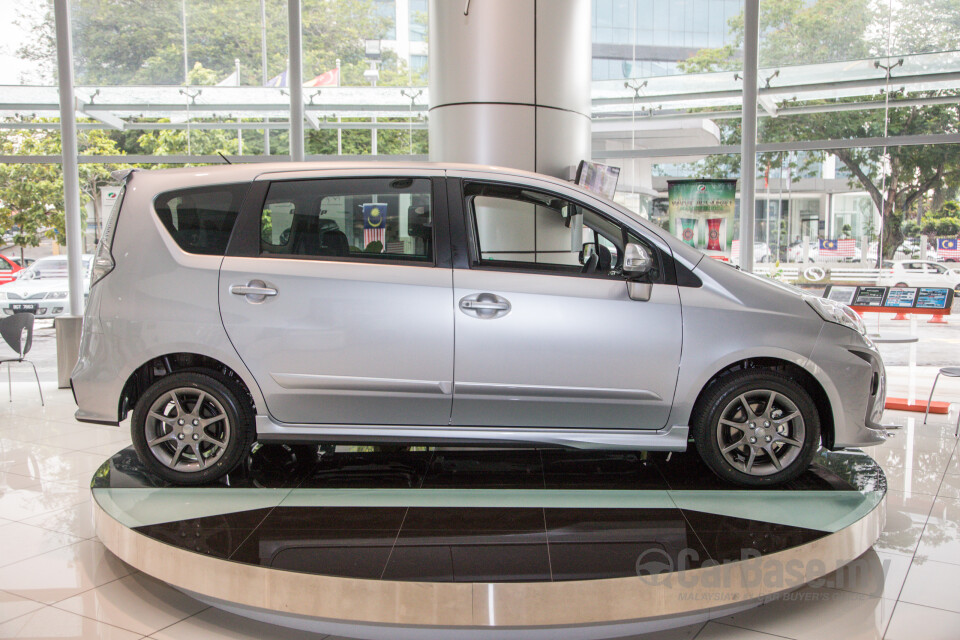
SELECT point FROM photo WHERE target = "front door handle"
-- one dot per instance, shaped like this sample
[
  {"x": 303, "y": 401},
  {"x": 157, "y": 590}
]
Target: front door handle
[
  {"x": 485, "y": 306},
  {"x": 254, "y": 291}
]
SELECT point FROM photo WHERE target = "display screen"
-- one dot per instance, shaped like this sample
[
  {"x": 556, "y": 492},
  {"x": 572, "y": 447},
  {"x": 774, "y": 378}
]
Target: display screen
[
  {"x": 901, "y": 297},
  {"x": 932, "y": 298},
  {"x": 598, "y": 178},
  {"x": 870, "y": 297},
  {"x": 842, "y": 294}
]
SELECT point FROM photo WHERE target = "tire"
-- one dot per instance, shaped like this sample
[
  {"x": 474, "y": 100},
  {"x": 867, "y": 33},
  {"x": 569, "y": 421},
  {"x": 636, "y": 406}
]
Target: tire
[
  {"x": 900, "y": 284},
  {"x": 779, "y": 455},
  {"x": 230, "y": 424}
]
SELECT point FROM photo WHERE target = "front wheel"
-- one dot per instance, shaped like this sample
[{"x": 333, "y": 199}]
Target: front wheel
[
  {"x": 191, "y": 427},
  {"x": 757, "y": 428}
]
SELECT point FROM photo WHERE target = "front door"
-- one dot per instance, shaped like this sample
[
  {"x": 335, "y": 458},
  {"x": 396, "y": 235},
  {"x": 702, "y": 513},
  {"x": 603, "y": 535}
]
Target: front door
[
  {"x": 546, "y": 336},
  {"x": 342, "y": 315}
]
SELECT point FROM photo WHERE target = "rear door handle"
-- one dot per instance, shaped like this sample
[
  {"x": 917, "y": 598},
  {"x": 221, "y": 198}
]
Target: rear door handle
[
  {"x": 485, "y": 306},
  {"x": 254, "y": 291}
]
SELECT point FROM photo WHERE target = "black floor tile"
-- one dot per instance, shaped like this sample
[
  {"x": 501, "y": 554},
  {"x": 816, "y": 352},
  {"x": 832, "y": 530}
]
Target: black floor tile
[
  {"x": 217, "y": 542},
  {"x": 476, "y": 469},
  {"x": 563, "y": 469},
  {"x": 469, "y": 556},
  {"x": 351, "y": 554},
  {"x": 724, "y": 546},
  {"x": 427, "y": 519},
  {"x": 608, "y": 525},
  {"x": 599, "y": 560},
  {"x": 327, "y": 518}
]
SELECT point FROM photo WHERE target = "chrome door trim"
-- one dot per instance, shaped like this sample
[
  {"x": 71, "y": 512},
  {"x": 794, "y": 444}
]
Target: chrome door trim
[
  {"x": 352, "y": 383},
  {"x": 673, "y": 438},
  {"x": 537, "y": 392}
]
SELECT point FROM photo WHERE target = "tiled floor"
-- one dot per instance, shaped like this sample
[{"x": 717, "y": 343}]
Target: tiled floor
[{"x": 57, "y": 580}]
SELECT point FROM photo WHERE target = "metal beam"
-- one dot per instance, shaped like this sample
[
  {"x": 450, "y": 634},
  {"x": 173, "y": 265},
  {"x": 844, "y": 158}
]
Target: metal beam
[
  {"x": 202, "y": 159},
  {"x": 71, "y": 173},
  {"x": 218, "y": 126},
  {"x": 797, "y": 145},
  {"x": 748, "y": 154},
  {"x": 295, "y": 80}
]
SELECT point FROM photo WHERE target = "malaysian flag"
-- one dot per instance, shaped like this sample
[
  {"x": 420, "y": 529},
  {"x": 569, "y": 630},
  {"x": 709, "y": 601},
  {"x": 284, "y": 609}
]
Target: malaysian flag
[
  {"x": 838, "y": 248},
  {"x": 735, "y": 251},
  {"x": 948, "y": 248},
  {"x": 374, "y": 223}
]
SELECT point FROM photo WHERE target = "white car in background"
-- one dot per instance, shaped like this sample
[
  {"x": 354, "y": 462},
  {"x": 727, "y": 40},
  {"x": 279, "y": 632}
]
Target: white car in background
[
  {"x": 918, "y": 273},
  {"x": 42, "y": 288}
]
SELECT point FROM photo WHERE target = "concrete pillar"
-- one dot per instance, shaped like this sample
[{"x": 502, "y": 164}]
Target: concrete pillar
[
  {"x": 510, "y": 83},
  {"x": 295, "y": 80}
]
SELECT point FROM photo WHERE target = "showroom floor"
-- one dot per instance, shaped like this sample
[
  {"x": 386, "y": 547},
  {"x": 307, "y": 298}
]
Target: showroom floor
[{"x": 57, "y": 580}]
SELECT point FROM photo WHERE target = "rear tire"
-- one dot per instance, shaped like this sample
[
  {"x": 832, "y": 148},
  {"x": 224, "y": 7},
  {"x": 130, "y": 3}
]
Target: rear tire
[
  {"x": 756, "y": 428},
  {"x": 192, "y": 428}
]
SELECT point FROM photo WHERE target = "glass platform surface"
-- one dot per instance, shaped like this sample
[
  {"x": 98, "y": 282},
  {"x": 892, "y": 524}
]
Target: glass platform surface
[{"x": 532, "y": 518}]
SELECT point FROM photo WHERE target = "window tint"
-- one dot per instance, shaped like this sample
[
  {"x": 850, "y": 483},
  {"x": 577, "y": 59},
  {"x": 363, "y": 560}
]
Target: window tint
[
  {"x": 533, "y": 230},
  {"x": 5, "y": 266},
  {"x": 369, "y": 218},
  {"x": 201, "y": 219}
]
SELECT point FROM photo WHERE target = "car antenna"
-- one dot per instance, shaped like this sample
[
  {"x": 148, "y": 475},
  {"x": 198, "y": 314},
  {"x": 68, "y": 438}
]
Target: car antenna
[{"x": 225, "y": 159}]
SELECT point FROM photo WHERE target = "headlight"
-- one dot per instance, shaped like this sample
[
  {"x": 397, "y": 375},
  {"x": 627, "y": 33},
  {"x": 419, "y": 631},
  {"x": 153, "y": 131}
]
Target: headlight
[
  {"x": 55, "y": 295},
  {"x": 838, "y": 313}
]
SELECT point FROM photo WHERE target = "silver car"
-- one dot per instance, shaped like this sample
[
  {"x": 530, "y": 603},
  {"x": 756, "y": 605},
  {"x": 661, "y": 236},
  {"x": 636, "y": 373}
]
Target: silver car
[{"x": 449, "y": 304}]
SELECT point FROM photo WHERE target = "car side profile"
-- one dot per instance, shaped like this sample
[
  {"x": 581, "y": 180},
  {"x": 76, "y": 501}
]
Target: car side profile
[
  {"x": 404, "y": 303},
  {"x": 918, "y": 273}
]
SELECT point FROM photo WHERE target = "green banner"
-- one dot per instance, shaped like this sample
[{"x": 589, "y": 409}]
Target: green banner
[{"x": 701, "y": 213}]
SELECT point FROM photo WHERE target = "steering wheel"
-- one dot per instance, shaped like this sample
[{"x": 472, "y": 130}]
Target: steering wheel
[{"x": 590, "y": 264}]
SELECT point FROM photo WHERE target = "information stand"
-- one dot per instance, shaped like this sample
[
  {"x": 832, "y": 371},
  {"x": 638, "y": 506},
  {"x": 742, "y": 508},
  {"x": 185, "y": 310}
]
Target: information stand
[{"x": 933, "y": 301}]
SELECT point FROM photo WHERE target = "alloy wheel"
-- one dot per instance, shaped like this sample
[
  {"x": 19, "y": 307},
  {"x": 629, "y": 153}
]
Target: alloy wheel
[
  {"x": 760, "y": 432},
  {"x": 187, "y": 429}
]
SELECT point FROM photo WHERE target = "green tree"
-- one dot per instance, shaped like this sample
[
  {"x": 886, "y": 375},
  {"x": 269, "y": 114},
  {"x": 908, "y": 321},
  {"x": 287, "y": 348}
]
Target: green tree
[
  {"x": 31, "y": 194},
  {"x": 124, "y": 42},
  {"x": 794, "y": 31}
]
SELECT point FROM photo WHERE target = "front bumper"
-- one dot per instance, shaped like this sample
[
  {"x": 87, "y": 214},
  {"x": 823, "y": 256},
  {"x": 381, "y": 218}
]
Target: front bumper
[
  {"x": 45, "y": 308},
  {"x": 850, "y": 369}
]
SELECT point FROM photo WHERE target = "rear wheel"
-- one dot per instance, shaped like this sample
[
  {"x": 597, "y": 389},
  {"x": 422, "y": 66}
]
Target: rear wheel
[
  {"x": 757, "y": 428},
  {"x": 191, "y": 427},
  {"x": 900, "y": 284}
]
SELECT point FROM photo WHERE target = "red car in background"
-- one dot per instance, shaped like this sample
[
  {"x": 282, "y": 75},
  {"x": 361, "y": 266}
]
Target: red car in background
[{"x": 8, "y": 270}]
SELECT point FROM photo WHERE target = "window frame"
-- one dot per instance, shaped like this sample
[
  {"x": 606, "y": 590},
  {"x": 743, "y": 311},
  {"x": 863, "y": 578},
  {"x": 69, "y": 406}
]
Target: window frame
[
  {"x": 475, "y": 261},
  {"x": 245, "y": 242}
]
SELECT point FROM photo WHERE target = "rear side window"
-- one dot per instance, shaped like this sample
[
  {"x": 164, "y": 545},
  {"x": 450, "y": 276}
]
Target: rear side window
[
  {"x": 201, "y": 219},
  {"x": 370, "y": 219}
]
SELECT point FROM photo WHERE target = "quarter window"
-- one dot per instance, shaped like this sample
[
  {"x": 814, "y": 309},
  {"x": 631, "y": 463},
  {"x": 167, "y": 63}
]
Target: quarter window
[
  {"x": 201, "y": 219},
  {"x": 367, "y": 218}
]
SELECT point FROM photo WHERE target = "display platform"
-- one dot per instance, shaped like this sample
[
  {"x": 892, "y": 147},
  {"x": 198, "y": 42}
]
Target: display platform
[{"x": 486, "y": 543}]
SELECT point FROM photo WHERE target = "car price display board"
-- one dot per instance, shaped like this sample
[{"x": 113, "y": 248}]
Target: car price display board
[{"x": 929, "y": 300}]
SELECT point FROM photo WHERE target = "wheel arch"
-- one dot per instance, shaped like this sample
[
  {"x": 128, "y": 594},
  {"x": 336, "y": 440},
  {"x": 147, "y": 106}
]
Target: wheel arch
[
  {"x": 802, "y": 376},
  {"x": 159, "y": 366}
]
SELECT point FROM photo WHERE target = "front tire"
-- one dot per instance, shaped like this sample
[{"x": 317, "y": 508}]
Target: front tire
[
  {"x": 192, "y": 428},
  {"x": 757, "y": 428}
]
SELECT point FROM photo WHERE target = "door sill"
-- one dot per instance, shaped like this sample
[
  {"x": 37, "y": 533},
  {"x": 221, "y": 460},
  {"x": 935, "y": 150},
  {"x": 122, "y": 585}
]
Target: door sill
[{"x": 673, "y": 438}]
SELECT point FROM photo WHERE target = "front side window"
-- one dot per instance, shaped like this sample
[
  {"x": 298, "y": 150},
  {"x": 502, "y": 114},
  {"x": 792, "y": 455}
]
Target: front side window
[
  {"x": 201, "y": 219},
  {"x": 5, "y": 266},
  {"x": 532, "y": 230},
  {"x": 366, "y": 218}
]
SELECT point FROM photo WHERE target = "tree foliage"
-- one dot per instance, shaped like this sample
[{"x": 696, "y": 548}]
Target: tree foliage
[
  {"x": 130, "y": 42},
  {"x": 31, "y": 195},
  {"x": 799, "y": 32}
]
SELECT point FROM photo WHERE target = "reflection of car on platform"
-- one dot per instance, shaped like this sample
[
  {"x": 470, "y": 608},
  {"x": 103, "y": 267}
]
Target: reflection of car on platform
[
  {"x": 42, "y": 289},
  {"x": 918, "y": 273},
  {"x": 8, "y": 269}
]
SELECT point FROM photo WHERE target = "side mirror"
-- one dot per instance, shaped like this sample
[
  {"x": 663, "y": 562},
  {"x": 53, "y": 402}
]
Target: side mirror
[
  {"x": 588, "y": 250},
  {"x": 637, "y": 261}
]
